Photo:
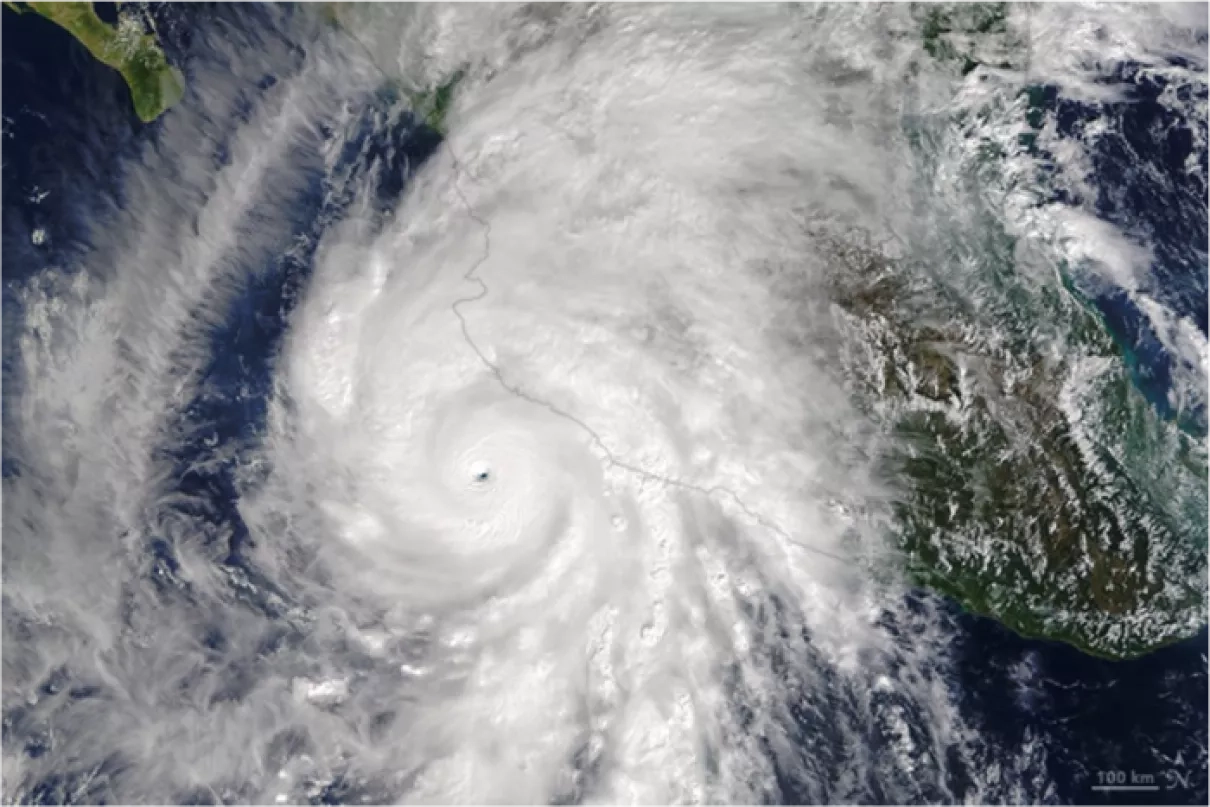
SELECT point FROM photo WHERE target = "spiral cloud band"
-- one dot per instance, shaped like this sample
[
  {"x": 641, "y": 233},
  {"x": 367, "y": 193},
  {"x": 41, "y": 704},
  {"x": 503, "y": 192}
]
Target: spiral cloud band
[
  {"x": 557, "y": 496},
  {"x": 566, "y": 430}
]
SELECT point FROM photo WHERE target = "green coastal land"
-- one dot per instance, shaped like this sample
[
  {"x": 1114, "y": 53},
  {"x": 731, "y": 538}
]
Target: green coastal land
[
  {"x": 155, "y": 85},
  {"x": 1041, "y": 486}
]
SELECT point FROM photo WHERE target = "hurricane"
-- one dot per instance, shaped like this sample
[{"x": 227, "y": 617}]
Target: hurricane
[{"x": 512, "y": 457}]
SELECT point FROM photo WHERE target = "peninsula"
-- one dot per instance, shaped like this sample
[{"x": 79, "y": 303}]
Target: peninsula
[{"x": 155, "y": 85}]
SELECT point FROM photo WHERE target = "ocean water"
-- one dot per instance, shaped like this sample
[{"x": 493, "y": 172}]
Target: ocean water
[{"x": 213, "y": 355}]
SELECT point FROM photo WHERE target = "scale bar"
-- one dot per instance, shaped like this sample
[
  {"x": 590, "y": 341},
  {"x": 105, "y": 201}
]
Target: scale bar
[{"x": 1126, "y": 788}]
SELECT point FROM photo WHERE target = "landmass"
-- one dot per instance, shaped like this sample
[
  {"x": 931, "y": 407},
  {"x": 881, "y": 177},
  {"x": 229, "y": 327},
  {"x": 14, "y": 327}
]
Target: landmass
[
  {"x": 1042, "y": 487},
  {"x": 431, "y": 105},
  {"x": 952, "y": 31},
  {"x": 155, "y": 85}
]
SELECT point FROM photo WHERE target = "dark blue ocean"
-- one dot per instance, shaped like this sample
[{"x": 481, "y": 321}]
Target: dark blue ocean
[{"x": 68, "y": 128}]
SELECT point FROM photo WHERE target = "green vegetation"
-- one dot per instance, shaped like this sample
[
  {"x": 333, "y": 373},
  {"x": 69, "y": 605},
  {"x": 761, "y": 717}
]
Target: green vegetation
[
  {"x": 1040, "y": 486},
  {"x": 154, "y": 84},
  {"x": 954, "y": 32},
  {"x": 432, "y": 105}
]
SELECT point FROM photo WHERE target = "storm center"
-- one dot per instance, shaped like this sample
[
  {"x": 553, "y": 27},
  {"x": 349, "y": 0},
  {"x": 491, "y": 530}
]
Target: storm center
[{"x": 481, "y": 471}]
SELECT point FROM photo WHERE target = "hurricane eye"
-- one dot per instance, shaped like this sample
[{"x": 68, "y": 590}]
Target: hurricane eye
[{"x": 481, "y": 472}]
